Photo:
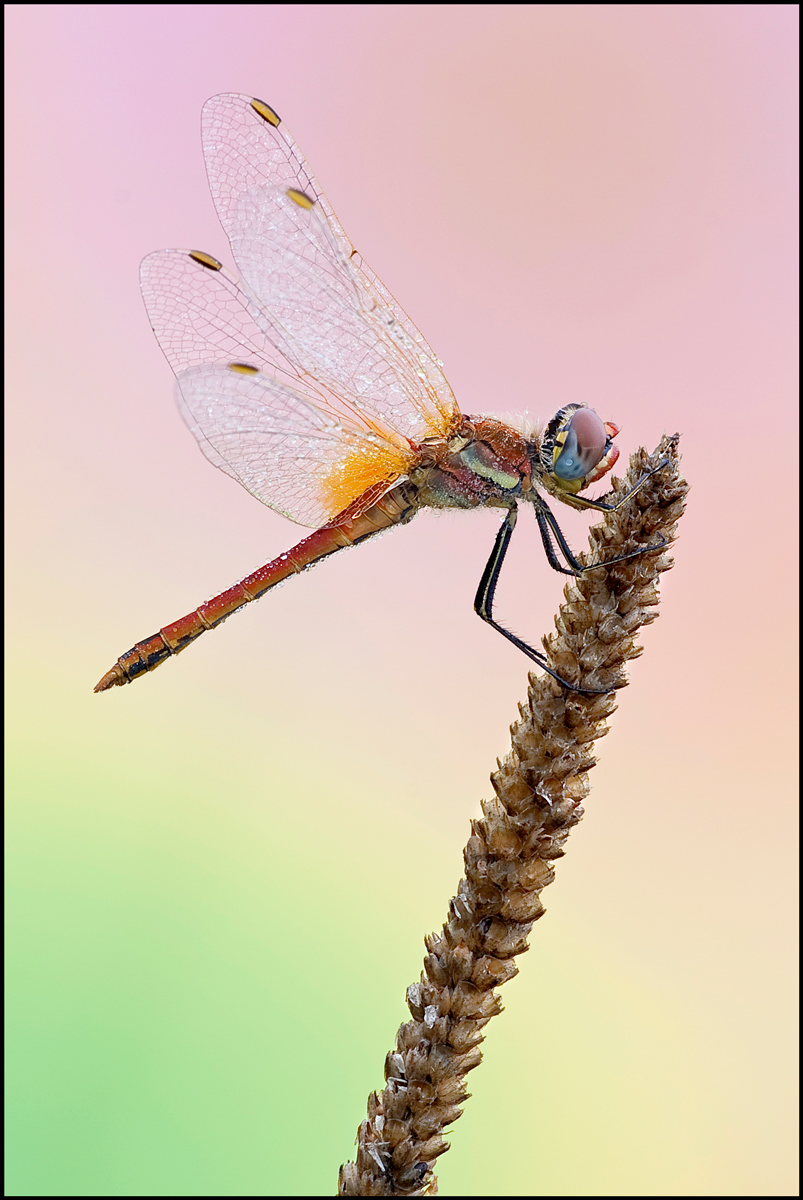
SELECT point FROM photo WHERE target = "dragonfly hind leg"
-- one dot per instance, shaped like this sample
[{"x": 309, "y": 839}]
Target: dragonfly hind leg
[{"x": 483, "y": 605}]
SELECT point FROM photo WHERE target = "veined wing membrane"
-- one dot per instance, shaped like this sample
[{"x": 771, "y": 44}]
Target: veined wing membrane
[
  {"x": 320, "y": 305},
  {"x": 290, "y": 441}
]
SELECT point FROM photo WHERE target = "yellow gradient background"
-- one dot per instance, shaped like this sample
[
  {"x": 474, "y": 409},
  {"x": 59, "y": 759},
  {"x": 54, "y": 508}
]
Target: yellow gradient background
[{"x": 219, "y": 879}]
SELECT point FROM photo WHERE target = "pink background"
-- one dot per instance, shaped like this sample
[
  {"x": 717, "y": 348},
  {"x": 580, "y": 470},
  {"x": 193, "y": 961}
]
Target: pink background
[{"x": 220, "y": 878}]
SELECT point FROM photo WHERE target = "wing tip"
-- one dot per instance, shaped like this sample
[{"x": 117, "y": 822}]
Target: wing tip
[{"x": 260, "y": 107}]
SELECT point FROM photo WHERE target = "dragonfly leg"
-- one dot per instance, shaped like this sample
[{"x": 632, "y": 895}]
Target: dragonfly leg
[
  {"x": 549, "y": 549},
  {"x": 547, "y": 522},
  {"x": 483, "y": 603},
  {"x": 601, "y": 506}
]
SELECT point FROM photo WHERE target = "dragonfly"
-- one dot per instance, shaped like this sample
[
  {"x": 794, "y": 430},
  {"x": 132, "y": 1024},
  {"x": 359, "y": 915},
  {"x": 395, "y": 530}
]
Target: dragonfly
[{"x": 306, "y": 382}]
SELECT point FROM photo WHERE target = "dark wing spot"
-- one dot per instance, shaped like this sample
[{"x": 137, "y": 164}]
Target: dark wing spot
[
  {"x": 300, "y": 198},
  {"x": 206, "y": 260},
  {"x": 266, "y": 112}
]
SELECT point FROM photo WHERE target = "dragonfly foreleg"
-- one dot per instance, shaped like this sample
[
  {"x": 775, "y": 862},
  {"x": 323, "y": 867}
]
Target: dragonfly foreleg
[
  {"x": 483, "y": 602},
  {"x": 601, "y": 506}
]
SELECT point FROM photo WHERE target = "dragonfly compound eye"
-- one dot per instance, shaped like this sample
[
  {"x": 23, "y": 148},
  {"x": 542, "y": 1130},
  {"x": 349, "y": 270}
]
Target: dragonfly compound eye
[{"x": 579, "y": 446}]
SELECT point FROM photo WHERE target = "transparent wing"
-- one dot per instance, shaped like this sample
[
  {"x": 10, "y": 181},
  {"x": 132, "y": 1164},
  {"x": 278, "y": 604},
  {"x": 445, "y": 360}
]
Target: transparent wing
[
  {"x": 313, "y": 297},
  {"x": 291, "y": 442}
]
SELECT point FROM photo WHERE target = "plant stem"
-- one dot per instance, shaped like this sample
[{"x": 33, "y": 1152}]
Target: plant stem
[{"x": 540, "y": 787}]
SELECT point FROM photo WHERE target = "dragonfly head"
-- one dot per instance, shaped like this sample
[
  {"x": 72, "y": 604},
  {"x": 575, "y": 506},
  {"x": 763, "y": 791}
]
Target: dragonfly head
[{"x": 577, "y": 448}]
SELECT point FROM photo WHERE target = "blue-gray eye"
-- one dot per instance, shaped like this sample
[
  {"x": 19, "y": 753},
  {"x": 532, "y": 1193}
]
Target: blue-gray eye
[{"x": 586, "y": 440}]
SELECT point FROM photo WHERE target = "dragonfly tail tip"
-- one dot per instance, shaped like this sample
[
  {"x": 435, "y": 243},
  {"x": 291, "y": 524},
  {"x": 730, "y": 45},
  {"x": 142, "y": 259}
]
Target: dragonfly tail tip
[{"x": 114, "y": 678}]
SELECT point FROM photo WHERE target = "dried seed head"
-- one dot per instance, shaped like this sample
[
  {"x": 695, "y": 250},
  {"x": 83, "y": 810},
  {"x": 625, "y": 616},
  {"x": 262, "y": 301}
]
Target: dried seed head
[{"x": 539, "y": 788}]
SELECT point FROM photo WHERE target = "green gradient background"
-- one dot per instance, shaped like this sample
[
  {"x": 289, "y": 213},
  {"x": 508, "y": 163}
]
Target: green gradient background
[{"x": 219, "y": 880}]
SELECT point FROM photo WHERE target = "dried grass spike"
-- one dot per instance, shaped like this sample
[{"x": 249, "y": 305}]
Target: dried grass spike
[{"x": 538, "y": 792}]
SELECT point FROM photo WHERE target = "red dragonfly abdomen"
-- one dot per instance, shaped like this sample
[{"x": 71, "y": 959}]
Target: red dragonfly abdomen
[{"x": 393, "y": 508}]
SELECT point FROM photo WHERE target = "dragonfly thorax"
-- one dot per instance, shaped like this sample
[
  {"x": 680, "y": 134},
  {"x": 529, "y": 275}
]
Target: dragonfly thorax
[{"x": 484, "y": 462}]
